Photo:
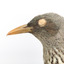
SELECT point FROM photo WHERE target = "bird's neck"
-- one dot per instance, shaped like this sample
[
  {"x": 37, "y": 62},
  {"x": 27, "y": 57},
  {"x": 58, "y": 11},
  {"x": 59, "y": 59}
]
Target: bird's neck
[
  {"x": 53, "y": 48},
  {"x": 53, "y": 56},
  {"x": 51, "y": 41}
]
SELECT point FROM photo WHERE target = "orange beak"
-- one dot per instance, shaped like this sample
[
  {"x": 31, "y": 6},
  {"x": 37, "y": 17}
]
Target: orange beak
[{"x": 21, "y": 29}]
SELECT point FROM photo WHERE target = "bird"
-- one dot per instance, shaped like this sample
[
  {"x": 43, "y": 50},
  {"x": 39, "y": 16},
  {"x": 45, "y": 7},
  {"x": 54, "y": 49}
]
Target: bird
[{"x": 48, "y": 28}]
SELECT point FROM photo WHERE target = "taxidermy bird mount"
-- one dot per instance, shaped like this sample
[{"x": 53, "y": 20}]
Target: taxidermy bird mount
[{"x": 49, "y": 29}]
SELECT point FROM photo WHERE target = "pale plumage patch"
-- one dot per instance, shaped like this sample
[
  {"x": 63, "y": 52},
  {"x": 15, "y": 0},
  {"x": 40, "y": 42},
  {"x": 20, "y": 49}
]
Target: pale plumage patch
[
  {"x": 56, "y": 57},
  {"x": 42, "y": 22}
]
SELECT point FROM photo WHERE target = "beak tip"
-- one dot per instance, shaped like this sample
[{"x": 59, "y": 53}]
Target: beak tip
[
  {"x": 21, "y": 29},
  {"x": 7, "y": 34}
]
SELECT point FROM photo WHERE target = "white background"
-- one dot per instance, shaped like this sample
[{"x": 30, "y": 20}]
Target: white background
[{"x": 23, "y": 48}]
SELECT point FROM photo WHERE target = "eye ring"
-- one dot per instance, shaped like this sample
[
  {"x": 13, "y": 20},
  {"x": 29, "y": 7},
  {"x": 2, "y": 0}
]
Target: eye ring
[{"x": 42, "y": 22}]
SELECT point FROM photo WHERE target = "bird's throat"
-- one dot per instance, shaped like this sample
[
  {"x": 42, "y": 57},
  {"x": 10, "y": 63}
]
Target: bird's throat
[{"x": 53, "y": 48}]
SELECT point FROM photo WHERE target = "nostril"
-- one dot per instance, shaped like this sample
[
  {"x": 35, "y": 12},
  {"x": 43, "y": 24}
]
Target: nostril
[
  {"x": 25, "y": 27},
  {"x": 29, "y": 25}
]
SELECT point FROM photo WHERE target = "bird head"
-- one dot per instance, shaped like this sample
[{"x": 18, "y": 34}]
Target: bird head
[
  {"x": 46, "y": 25},
  {"x": 48, "y": 28}
]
